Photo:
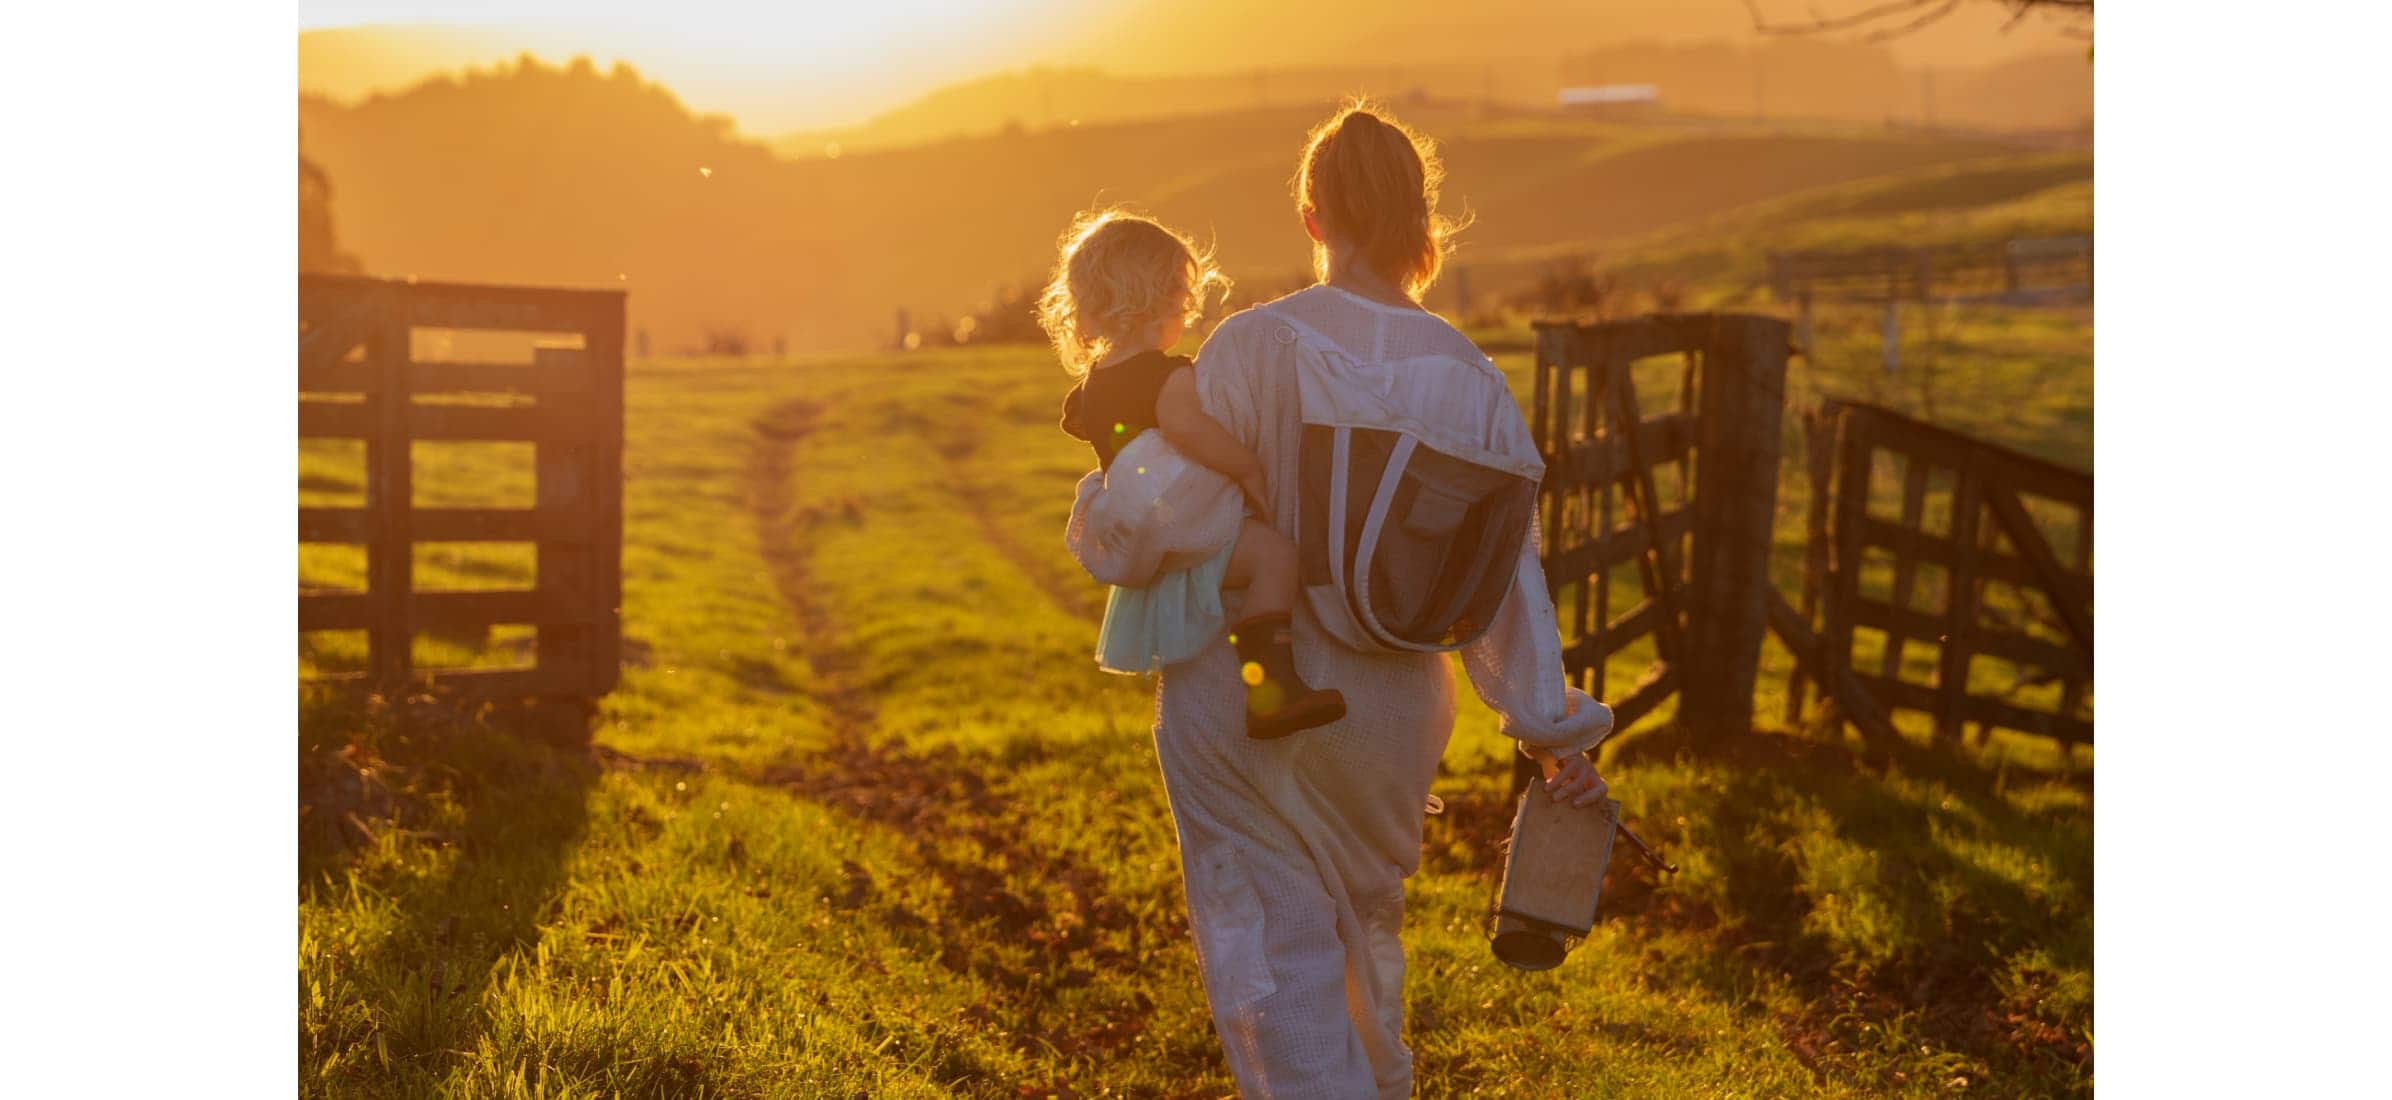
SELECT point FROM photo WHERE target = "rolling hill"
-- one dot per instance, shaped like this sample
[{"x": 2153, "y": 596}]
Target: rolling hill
[
  {"x": 1775, "y": 78},
  {"x": 572, "y": 176}
]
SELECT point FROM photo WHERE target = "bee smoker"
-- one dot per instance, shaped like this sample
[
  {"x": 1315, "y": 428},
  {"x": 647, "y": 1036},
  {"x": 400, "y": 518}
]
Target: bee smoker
[{"x": 1553, "y": 876}]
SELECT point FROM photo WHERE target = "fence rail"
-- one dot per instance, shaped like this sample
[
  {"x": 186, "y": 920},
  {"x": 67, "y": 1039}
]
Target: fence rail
[
  {"x": 359, "y": 379},
  {"x": 2023, "y": 269}
]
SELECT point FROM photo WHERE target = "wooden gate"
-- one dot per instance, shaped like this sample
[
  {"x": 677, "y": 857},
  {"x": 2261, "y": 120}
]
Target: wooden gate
[
  {"x": 1684, "y": 491},
  {"x": 2008, "y": 621},
  {"x": 360, "y": 379}
]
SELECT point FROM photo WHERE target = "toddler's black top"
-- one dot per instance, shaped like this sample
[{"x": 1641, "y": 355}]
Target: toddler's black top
[{"x": 1113, "y": 404}]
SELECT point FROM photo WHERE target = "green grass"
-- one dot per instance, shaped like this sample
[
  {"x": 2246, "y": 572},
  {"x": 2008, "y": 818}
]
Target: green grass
[
  {"x": 1722, "y": 258},
  {"x": 866, "y": 821},
  {"x": 1978, "y": 201}
]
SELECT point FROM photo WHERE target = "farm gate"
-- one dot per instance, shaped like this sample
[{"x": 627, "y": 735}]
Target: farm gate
[
  {"x": 2008, "y": 618},
  {"x": 1661, "y": 441},
  {"x": 360, "y": 378}
]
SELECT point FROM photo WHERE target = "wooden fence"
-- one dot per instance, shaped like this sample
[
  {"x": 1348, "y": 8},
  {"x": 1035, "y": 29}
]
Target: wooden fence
[
  {"x": 2019, "y": 272},
  {"x": 2022, "y": 270},
  {"x": 2007, "y": 620},
  {"x": 1686, "y": 493},
  {"x": 360, "y": 379}
]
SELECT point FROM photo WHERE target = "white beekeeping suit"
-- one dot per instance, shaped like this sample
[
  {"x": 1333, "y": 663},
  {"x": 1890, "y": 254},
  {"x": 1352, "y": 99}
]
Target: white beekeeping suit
[{"x": 1295, "y": 851}]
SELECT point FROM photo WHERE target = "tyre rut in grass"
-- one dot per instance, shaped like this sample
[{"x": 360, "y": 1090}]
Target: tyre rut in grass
[
  {"x": 932, "y": 801},
  {"x": 1062, "y": 585}
]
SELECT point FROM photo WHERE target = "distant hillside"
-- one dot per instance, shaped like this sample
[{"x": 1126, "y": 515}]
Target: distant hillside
[
  {"x": 572, "y": 176},
  {"x": 1046, "y": 98},
  {"x": 1774, "y": 78},
  {"x": 1177, "y": 36},
  {"x": 1823, "y": 79}
]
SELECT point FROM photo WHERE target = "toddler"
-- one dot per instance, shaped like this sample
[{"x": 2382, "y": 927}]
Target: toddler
[{"x": 1124, "y": 289}]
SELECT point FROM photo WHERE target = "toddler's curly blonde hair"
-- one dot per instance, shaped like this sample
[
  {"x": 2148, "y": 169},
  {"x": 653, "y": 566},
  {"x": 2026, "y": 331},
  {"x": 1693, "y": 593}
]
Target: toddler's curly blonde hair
[{"x": 1116, "y": 273}]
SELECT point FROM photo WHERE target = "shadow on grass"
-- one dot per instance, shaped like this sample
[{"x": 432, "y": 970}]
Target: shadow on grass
[
  {"x": 444, "y": 837},
  {"x": 1913, "y": 898}
]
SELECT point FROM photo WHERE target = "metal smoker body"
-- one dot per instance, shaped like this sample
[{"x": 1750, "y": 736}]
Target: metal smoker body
[{"x": 1552, "y": 878}]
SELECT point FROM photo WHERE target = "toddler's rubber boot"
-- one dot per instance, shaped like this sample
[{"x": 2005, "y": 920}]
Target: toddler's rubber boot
[{"x": 1278, "y": 702}]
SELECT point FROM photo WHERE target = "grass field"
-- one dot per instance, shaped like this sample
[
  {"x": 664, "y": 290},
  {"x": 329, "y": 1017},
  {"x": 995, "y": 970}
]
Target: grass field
[
  {"x": 864, "y": 820},
  {"x": 1983, "y": 201}
]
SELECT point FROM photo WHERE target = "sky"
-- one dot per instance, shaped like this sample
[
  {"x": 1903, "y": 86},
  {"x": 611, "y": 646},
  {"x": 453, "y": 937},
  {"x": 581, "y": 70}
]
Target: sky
[
  {"x": 800, "y": 65},
  {"x": 772, "y": 66}
]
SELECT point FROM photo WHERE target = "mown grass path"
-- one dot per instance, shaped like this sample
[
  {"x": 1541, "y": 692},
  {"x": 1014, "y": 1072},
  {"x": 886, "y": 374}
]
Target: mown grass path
[{"x": 864, "y": 820}]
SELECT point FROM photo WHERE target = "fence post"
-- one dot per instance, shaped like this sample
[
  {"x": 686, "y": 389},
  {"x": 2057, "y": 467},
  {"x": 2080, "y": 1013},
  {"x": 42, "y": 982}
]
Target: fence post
[
  {"x": 562, "y": 483},
  {"x": 1735, "y": 503},
  {"x": 1893, "y": 335},
  {"x": 602, "y": 354},
  {"x": 390, "y": 491},
  {"x": 1819, "y": 428}
]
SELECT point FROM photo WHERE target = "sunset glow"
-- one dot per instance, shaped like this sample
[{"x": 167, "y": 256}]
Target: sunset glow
[
  {"x": 773, "y": 67},
  {"x": 807, "y": 66}
]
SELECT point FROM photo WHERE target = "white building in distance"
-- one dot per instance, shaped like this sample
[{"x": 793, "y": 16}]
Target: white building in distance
[{"x": 1612, "y": 99}]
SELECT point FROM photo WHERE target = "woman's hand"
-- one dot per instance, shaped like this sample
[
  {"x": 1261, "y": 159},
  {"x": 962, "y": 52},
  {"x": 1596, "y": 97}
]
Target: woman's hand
[{"x": 1571, "y": 780}]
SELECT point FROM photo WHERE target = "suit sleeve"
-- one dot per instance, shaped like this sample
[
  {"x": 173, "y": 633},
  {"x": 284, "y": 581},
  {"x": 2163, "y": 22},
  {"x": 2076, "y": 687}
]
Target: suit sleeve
[
  {"x": 1516, "y": 667},
  {"x": 1225, "y": 381}
]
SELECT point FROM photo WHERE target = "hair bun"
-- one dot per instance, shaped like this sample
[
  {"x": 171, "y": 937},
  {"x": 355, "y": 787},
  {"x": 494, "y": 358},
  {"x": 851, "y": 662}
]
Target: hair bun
[{"x": 1372, "y": 184}]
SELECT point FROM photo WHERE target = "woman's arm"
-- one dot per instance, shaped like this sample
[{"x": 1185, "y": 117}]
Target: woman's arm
[
  {"x": 1516, "y": 667},
  {"x": 1181, "y": 417}
]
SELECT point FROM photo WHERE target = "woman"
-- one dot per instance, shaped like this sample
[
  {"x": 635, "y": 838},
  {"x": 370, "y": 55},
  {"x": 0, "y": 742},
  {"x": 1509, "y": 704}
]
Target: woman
[{"x": 1295, "y": 852}]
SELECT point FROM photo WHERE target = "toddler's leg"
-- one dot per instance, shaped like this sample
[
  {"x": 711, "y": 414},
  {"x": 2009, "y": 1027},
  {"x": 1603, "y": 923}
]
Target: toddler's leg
[
  {"x": 1264, "y": 564},
  {"x": 1278, "y": 701}
]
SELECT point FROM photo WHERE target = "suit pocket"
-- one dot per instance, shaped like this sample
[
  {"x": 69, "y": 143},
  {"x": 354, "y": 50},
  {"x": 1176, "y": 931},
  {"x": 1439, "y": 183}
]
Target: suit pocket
[{"x": 1226, "y": 913}]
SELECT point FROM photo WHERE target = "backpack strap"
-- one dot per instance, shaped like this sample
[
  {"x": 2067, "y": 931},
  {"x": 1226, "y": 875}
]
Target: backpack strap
[
  {"x": 1359, "y": 591},
  {"x": 1340, "y": 460}
]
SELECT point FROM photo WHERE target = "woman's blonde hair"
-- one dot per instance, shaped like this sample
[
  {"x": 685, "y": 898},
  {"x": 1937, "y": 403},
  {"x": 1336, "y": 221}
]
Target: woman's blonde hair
[
  {"x": 1115, "y": 273},
  {"x": 1371, "y": 182}
]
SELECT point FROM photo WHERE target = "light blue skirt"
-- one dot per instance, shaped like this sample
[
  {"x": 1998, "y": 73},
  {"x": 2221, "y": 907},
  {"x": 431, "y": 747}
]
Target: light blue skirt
[{"x": 1166, "y": 622}]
